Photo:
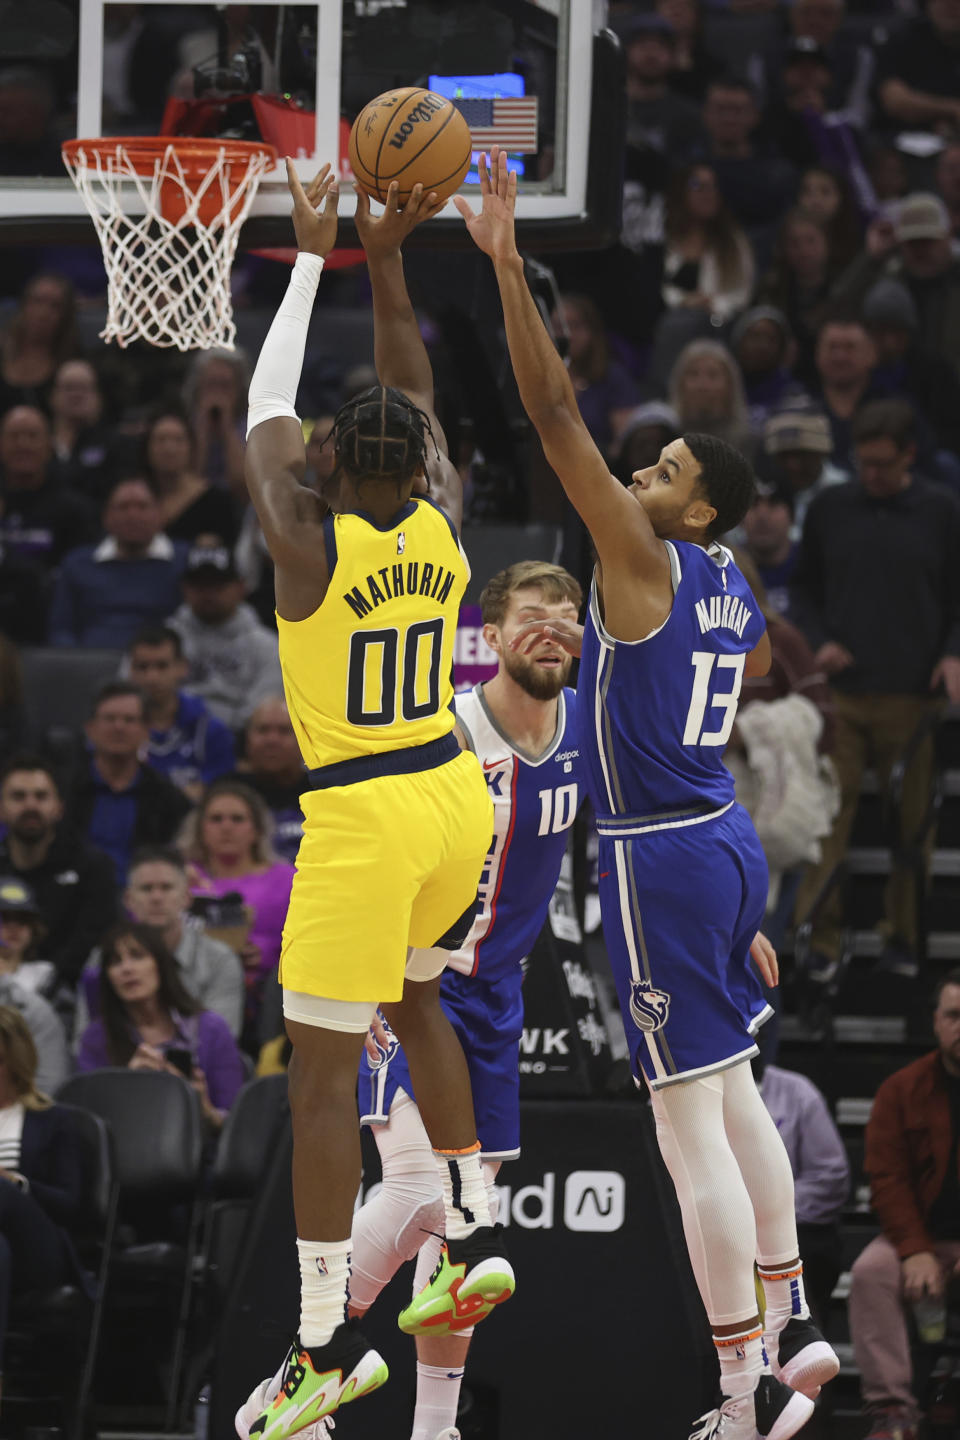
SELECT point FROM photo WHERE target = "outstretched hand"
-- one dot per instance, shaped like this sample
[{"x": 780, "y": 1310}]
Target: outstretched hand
[
  {"x": 314, "y": 210},
  {"x": 565, "y": 633},
  {"x": 493, "y": 229},
  {"x": 384, "y": 234}
]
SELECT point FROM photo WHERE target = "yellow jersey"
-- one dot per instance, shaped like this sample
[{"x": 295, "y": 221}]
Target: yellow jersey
[{"x": 371, "y": 669}]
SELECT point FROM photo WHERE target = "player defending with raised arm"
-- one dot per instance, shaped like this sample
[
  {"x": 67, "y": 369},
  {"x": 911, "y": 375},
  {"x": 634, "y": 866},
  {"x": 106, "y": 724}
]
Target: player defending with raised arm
[
  {"x": 671, "y": 630},
  {"x": 397, "y": 823}
]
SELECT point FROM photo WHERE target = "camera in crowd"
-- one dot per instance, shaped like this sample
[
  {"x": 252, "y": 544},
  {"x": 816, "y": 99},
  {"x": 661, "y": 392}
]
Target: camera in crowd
[{"x": 238, "y": 74}]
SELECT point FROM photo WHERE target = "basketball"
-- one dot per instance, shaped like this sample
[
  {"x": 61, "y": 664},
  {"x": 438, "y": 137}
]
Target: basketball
[{"x": 413, "y": 136}]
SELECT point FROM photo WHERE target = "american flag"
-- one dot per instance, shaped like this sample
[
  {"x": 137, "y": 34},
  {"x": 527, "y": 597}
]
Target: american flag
[{"x": 509, "y": 121}]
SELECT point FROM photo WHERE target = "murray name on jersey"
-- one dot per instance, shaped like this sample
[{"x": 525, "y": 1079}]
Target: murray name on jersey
[{"x": 722, "y": 612}]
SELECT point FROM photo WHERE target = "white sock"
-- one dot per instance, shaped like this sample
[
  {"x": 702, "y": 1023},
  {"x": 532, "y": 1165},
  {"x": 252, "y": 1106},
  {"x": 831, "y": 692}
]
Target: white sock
[
  {"x": 783, "y": 1293},
  {"x": 742, "y": 1361},
  {"x": 438, "y": 1395},
  {"x": 465, "y": 1202},
  {"x": 324, "y": 1274}
]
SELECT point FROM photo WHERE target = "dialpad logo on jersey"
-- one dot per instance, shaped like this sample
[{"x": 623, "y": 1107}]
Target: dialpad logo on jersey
[{"x": 649, "y": 1008}]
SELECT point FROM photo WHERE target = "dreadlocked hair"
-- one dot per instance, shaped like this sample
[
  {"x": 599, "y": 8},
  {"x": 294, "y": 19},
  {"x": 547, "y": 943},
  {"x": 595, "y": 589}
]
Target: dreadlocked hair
[
  {"x": 381, "y": 435},
  {"x": 726, "y": 478}
]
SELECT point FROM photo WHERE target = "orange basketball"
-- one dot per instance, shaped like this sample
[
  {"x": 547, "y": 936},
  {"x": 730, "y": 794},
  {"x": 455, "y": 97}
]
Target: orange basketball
[{"x": 413, "y": 136}]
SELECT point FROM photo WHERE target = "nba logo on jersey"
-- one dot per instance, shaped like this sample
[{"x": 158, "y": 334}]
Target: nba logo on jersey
[
  {"x": 401, "y": 543},
  {"x": 649, "y": 1008}
]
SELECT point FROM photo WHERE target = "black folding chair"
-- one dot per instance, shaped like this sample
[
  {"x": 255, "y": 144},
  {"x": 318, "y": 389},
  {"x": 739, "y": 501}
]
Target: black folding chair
[
  {"x": 157, "y": 1127},
  {"x": 70, "y": 1313},
  {"x": 245, "y": 1147}
]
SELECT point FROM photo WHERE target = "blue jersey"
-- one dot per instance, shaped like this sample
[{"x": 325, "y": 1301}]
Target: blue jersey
[
  {"x": 535, "y": 799},
  {"x": 656, "y": 714}
]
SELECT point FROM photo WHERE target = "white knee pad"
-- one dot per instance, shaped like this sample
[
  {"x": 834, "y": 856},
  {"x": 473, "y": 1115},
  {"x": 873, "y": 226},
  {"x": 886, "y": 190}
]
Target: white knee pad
[{"x": 391, "y": 1227}]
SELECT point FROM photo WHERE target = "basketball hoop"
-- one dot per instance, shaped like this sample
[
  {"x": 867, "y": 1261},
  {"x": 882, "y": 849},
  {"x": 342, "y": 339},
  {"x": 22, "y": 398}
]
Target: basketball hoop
[{"x": 168, "y": 268}]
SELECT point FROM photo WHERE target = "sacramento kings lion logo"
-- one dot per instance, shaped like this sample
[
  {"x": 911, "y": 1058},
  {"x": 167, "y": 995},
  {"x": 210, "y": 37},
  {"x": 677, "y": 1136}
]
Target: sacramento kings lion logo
[
  {"x": 648, "y": 1007},
  {"x": 384, "y": 1055}
]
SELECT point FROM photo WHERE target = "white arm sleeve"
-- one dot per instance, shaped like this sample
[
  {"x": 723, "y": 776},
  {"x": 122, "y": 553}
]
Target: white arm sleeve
[{"x": 273, "y": 389}]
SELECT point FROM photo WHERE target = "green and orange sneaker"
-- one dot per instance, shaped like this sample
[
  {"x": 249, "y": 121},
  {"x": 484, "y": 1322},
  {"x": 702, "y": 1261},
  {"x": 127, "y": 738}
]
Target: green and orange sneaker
[
  {"x": 318, "y": 1381},
  {"x": 472, "y": 1277}
]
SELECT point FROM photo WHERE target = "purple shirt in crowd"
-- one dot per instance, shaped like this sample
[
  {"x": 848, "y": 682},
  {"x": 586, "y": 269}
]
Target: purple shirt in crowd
[
  {"x": 207, "y": 1037},
  {"x": 267, "y": 894},
  {"x": 821, "y": 1172}
]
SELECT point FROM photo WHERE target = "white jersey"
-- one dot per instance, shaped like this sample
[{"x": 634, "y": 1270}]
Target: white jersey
[{"x": 535, "y": 800}]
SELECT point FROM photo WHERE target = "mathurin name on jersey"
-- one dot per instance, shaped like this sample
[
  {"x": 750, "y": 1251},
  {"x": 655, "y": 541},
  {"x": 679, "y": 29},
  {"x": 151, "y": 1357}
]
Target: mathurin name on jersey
[
  {"x": 718, "y": 612},
  {"x": 410, "y": 579}
]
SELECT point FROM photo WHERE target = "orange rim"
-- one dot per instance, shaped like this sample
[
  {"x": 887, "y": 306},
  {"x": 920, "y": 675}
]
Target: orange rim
[{"x": 196, "y": 155}]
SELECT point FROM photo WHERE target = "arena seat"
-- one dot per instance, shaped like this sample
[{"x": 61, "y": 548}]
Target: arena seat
[
  {"x": 158, "y": 1133},
  {"x": 59, "y": 687},
  {"x": 69, "y": 1316}
]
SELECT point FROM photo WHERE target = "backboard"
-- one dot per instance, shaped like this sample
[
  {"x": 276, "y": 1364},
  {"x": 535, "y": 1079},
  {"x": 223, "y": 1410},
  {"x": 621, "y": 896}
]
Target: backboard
[{"x": 302, "y": 72}]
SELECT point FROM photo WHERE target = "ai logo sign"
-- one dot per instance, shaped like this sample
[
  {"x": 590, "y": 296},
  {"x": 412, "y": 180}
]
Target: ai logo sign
[{"x": 593, "y": 1200}]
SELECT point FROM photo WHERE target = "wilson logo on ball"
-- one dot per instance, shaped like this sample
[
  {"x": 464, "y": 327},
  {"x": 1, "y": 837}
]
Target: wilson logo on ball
[
  {"x": 426, "y": 110},
  {"x": 414, "y": 137}
]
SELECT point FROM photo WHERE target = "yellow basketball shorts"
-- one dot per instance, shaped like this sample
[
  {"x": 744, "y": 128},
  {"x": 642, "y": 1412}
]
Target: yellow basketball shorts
[{"x": 384, "y": 864}]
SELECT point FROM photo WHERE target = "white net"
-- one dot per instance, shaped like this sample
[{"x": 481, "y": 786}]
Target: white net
[{"x": 168, "y": 268}]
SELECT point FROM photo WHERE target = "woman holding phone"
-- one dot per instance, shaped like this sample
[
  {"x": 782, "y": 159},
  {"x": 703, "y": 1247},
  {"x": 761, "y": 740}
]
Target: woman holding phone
[
  {"x": 227, "y": 843},
  {"x": 149, "y": 1022}
]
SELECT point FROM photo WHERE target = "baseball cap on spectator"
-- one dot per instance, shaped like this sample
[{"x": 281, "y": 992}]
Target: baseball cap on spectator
[
  {"x": 890, "y": 306},
  {"x": 753, "y": 317},
  {"x": 208, "y": 564},
  {"x": 776, "y": 492},
  {"x": 798, "y": 430},
  {"x": 649, "y": 23},
  {"x": 16, "y": 898},
  {"x": 654, "y": 412},
  {"x": 803, "y": 47},
  {"x": 921, "y": 217}
]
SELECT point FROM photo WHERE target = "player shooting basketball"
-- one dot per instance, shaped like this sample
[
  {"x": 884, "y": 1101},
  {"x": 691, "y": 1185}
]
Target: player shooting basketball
[{"x": 397, "y": 824}]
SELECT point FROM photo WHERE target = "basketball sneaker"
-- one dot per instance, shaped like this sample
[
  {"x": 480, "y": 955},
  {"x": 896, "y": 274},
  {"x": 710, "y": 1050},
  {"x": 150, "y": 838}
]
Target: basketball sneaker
[
  {"x": 772, "y": 1411},
  {"x": 472, "y": 1276},
  {"x": 258, "y": 1401},
  {"x": 315, "y": 1382},
  {"x": 800, "y": 1357}
]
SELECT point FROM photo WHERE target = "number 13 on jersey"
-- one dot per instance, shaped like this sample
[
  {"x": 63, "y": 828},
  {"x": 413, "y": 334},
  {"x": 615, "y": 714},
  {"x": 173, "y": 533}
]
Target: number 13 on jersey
[{"x": 704, "y": 663}]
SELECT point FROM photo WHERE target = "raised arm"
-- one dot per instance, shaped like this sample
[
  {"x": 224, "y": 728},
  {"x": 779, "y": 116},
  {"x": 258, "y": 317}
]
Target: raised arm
[
  {"x": 399, "y": 352},
  {"x": 290, "y": 514},
  {"x": 618, "y": 525}
]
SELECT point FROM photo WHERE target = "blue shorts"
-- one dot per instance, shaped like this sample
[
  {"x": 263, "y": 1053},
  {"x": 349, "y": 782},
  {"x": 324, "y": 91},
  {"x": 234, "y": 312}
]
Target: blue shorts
[
  {"x": 488, "y": 1019},
  {"x": 680, "y": 910}
]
